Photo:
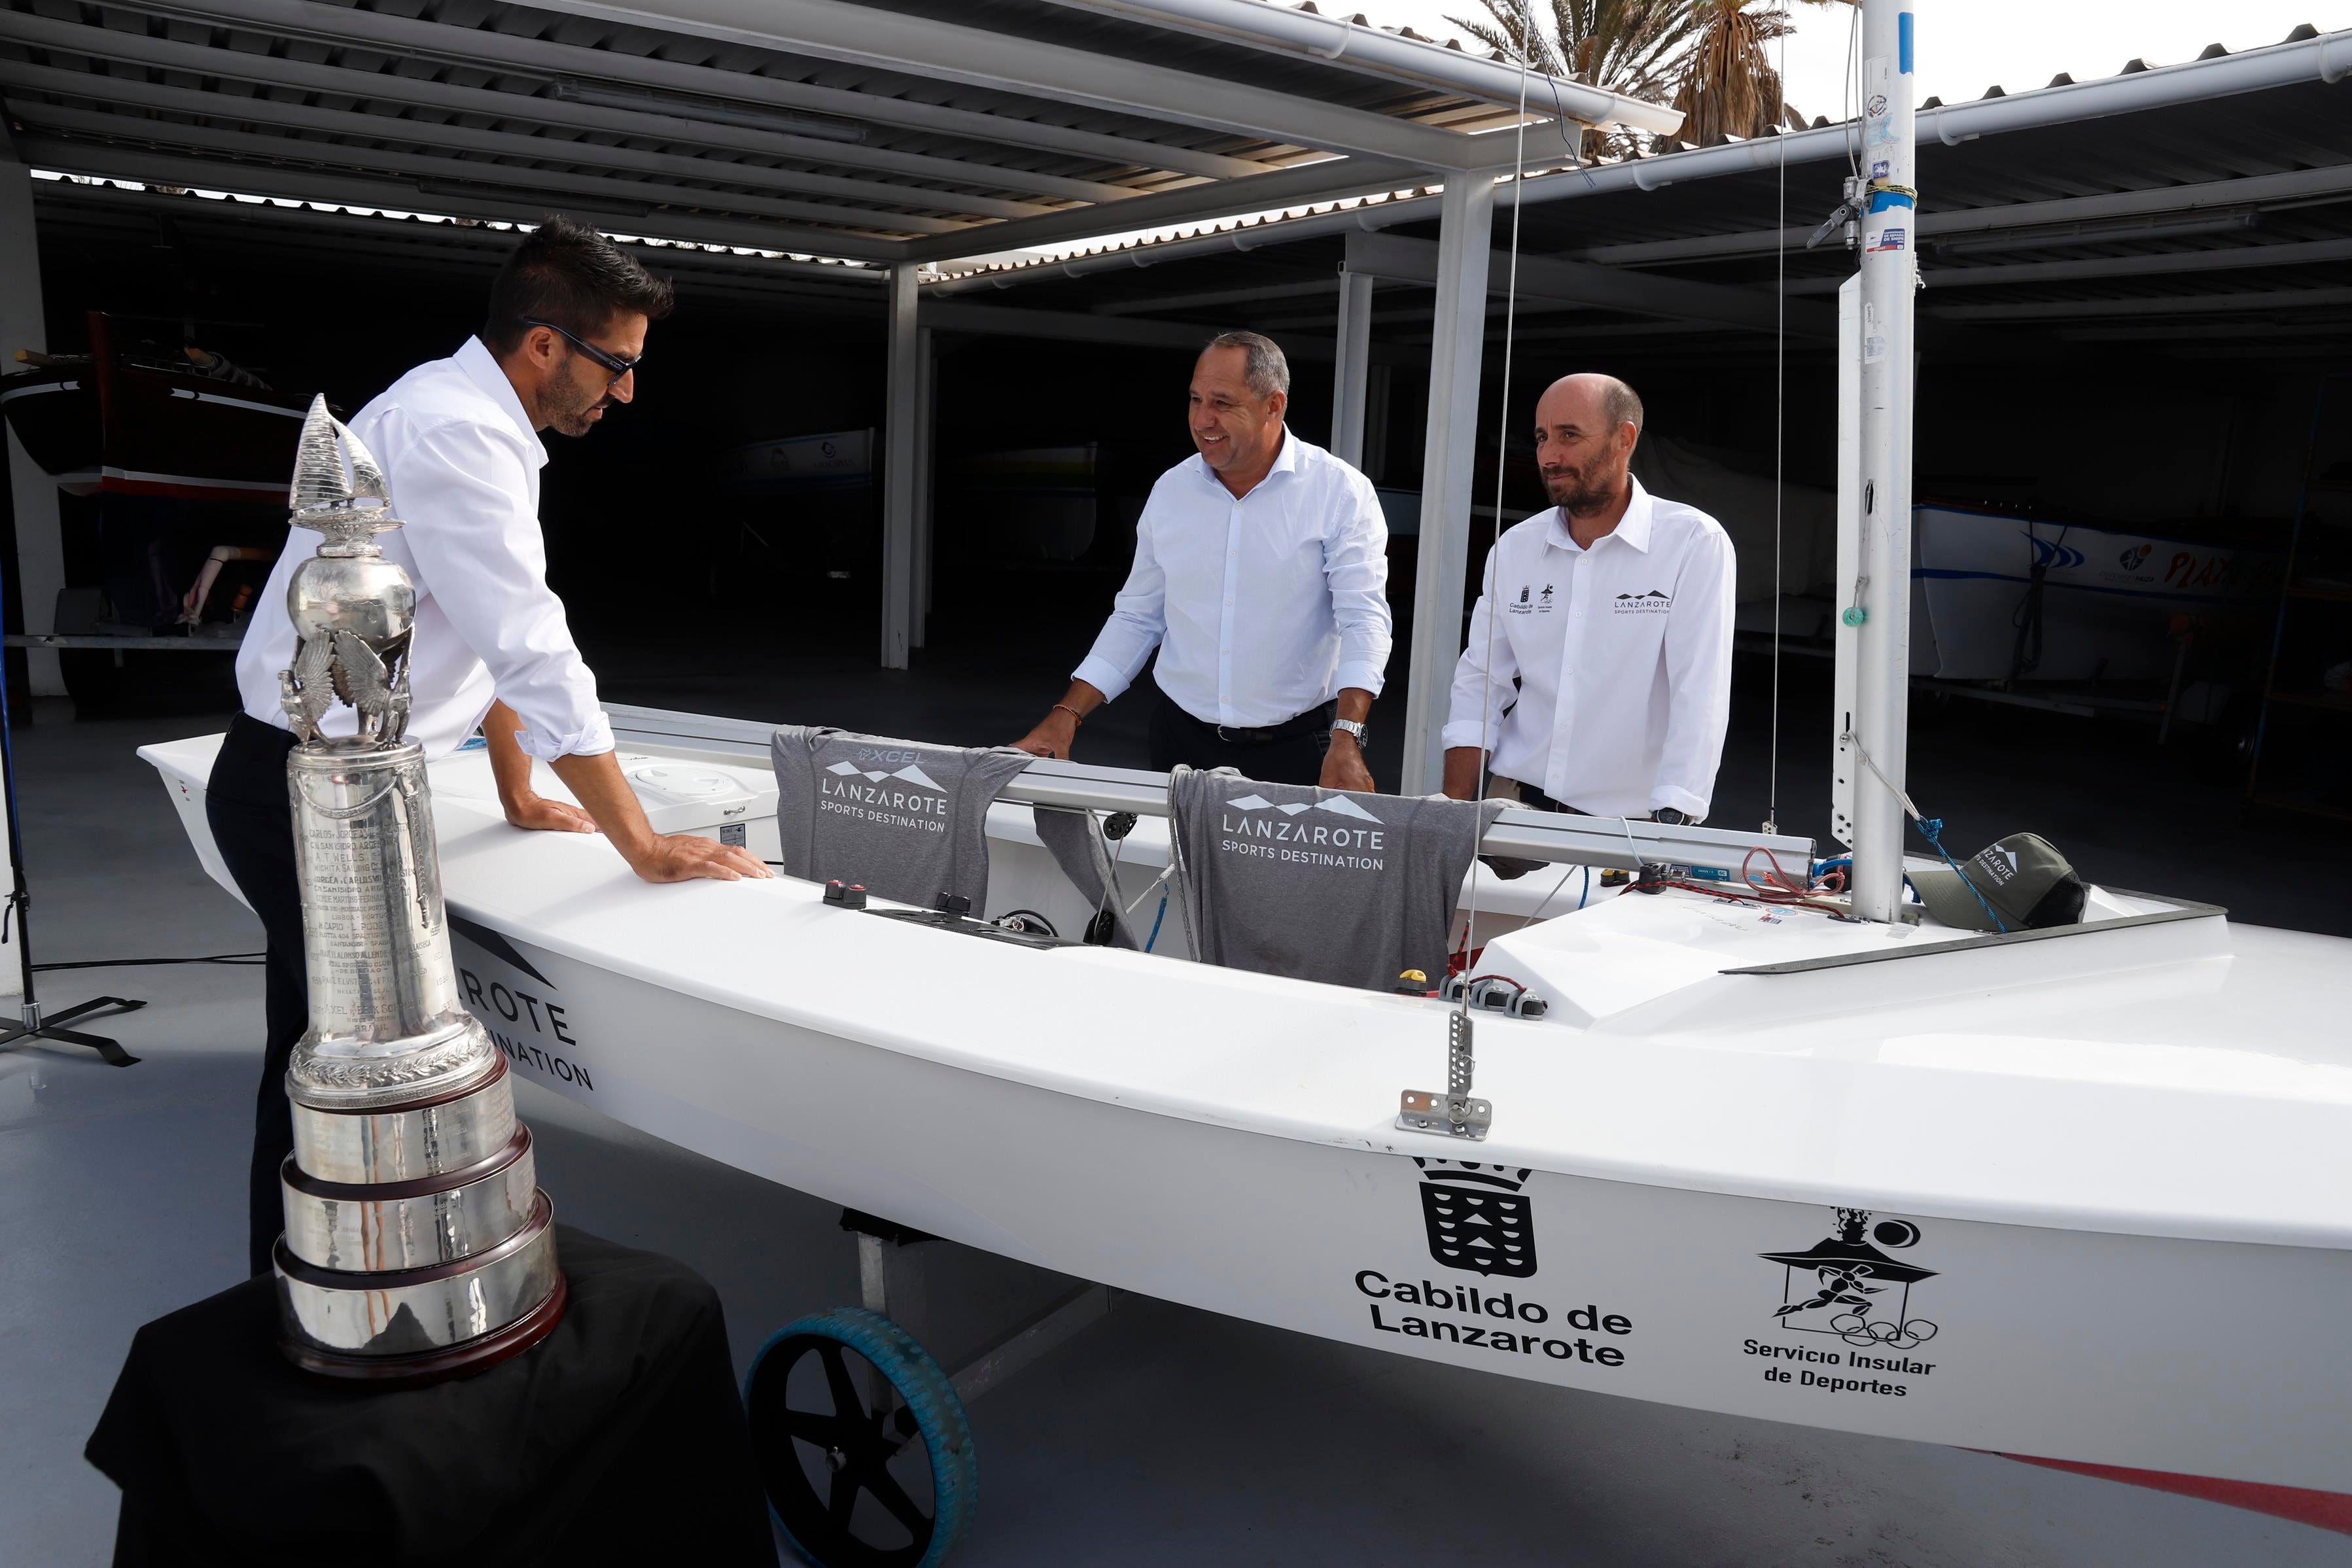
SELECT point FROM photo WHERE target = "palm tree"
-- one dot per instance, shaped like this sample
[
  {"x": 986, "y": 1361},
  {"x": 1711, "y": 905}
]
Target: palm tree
[
  {"x": 1706, "y": 57},
  {"x": 1729, "y": 87},
  {"x": 1628, "y": 46}
]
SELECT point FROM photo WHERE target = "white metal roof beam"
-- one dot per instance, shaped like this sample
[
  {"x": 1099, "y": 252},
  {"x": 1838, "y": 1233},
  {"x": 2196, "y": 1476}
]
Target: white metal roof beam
[
  {"x": 622, "y": 195},
  {"x": 1582, "y": 282},
  {"x": 1301, "y": 185},
  {"x": 343, "y": 189},
  {"x": 311, "y": 123},
  {"x": 268, "y": 71},
  {"x": 1337, "y": 40},
  {"x": 482, "y": 47},
  {"x": 921, "y": 46}
]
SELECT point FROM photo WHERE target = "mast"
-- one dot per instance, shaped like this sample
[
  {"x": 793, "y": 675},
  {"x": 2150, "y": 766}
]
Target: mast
[{"x": 1878, "y": 608}]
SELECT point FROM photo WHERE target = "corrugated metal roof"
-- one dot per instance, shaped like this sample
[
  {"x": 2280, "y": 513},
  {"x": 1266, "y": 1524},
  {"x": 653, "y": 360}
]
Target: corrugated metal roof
[
  {"x": 504, "y": 110},
  {"x": 2238, "y": 203}
]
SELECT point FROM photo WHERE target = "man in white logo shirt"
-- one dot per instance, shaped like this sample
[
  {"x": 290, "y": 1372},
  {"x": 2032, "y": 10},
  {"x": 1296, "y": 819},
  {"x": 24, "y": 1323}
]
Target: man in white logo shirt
[
  {"x": 1261, "y": 575},
  {"x": 457, "y": 439},
  {"x": 1611, "y": 612}
]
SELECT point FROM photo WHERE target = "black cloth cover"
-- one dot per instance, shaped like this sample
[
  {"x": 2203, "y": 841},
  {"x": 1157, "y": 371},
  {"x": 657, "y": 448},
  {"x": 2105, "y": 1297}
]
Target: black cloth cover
[{"x": 619, "y": 1438}]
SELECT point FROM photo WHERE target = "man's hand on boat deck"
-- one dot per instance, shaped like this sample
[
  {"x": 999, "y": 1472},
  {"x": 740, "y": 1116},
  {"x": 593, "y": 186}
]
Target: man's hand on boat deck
[
  {"x": 684, "y": 857},
  {"x": 595, "y": 779},
  {"x": 543, "y": 815},
  {"x": 1052, "y": 737},
  {"x": 1058, "y": 730}
]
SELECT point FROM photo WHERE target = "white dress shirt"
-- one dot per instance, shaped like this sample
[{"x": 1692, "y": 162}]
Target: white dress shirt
[
  {"x": 1623, "y": 653},
  {"x": 463, "y": 462},
  {"x": 1262, "y": 607}
]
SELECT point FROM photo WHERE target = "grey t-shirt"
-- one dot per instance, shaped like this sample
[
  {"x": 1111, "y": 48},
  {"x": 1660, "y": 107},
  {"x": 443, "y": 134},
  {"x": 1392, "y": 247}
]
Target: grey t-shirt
[
  {"x": 1320, "y": 885},
  {"x": 908, "y": 819}
]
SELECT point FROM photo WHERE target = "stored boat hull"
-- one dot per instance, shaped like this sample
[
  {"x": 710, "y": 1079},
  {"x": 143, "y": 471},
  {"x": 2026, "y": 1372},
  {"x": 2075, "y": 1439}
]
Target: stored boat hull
[{"x": 2208, "y": 1358}]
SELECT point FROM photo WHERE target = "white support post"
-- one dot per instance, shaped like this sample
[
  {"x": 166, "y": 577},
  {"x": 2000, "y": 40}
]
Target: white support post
[
  {"x": 1879, "y": 597},
  {"x": 1466, "y": 234},
  {"x": 39, "y": 568},
  {"x": 901, "y": 438},
  {"x": 1354, "y": 365},
  {"x": 927, "y": 393}
]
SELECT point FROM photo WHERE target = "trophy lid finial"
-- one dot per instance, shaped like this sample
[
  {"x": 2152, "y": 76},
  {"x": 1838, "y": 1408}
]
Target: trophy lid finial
[{"x": 339, "y": 487}]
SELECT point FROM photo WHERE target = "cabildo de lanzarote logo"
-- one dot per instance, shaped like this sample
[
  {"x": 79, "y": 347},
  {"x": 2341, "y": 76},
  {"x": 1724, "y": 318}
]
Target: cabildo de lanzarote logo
[
  {"x": 1258, "y": 827},
  {"x": 1845, "y": 1287},
  {"x": 900, "y": 797},
  {"x": 1478, "y": 1219}
]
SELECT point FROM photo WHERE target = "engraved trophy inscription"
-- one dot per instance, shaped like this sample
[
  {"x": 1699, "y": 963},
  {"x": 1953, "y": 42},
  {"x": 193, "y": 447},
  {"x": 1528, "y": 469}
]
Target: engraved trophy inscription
[{"x": 417, "y": 1243}]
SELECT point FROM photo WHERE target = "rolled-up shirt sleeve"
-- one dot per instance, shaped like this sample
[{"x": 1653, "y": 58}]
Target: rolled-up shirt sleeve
[
  {"x": 1484, "y": 676},
  {"x": 1356, "y": 568},
  {"x": 1139, "y": 620},
  {"x": 1698, "y": 677},
  {"x": 484, "y": 554}
]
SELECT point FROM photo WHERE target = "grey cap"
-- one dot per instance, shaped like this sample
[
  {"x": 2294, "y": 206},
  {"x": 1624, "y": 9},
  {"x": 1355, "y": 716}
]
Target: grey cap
[{"x": 2026, "y": 880}]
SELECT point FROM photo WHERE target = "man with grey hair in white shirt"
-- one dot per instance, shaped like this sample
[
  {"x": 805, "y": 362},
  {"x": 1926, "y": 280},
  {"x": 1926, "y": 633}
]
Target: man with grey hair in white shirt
[
  {"x": 1598, "y": 674},
  {"x": 459, "y": 440},
  {"x": 1261, "y": 578}
]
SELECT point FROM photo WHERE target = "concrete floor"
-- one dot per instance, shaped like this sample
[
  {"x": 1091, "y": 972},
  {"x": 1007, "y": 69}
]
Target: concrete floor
[{"x": 1161, "y": 1435}]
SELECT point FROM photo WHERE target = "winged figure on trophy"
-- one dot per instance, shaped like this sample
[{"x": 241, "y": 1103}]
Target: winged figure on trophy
[{"x": 353, "y": 610}]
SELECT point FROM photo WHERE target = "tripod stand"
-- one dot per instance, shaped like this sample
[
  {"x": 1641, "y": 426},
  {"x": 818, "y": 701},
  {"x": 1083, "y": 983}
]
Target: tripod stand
[{"x": 18, "y": 908}]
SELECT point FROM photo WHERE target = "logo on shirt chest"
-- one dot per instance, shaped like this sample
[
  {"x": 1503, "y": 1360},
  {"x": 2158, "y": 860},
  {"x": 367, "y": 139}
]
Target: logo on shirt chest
[
  {"x": 1532, "y": 601},
  {"x": 906, "y": 797},
  {"x": 1657, "y": 602}
]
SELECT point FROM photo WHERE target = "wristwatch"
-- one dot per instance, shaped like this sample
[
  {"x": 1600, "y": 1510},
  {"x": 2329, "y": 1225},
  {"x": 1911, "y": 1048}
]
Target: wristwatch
[
  {"x": 1354, "y": 727},
  {"x": 1670, "y": 816}
]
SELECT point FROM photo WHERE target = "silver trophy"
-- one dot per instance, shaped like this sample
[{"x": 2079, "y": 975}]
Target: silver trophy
[{"x": 417, "y": 1243}]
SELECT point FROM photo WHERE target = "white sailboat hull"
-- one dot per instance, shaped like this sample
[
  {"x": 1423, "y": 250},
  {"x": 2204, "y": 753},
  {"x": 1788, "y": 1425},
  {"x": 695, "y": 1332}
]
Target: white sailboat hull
[{"x": 1223, "y": 1140}]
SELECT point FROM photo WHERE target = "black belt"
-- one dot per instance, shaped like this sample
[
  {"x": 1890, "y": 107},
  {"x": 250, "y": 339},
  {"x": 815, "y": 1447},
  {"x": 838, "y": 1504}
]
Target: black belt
[
  {"x": 1313, "y": 719},
  {"x": 1534, "y": 800}
]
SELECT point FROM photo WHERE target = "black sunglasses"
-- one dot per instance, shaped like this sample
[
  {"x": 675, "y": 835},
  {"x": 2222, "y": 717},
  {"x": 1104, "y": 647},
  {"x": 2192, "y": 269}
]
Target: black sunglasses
[{"x": 612, "y": 363}]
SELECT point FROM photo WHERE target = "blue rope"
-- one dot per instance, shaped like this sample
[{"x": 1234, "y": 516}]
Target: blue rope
[
  {"x": 1156, "y": 919},
  {"x": 1932, "y": 829}
]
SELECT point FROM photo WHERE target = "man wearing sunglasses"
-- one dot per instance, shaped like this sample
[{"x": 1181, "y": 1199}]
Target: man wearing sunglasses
[{"x": 458, "y": 439}]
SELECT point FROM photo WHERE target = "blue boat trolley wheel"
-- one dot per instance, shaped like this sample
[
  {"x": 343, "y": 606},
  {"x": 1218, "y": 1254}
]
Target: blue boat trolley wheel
[{"x": 861, "y": 1442}]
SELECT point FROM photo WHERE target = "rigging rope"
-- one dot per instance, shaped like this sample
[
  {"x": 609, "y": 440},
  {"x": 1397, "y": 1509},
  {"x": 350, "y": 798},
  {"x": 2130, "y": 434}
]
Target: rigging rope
[{"x": 1502, "y": 442}]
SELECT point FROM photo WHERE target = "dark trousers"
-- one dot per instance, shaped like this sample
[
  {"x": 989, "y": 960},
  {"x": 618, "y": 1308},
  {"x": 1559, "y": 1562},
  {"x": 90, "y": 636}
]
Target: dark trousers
[
  {"x": 253, "y": 826},
  {"x": 1286, "y": 752}
]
